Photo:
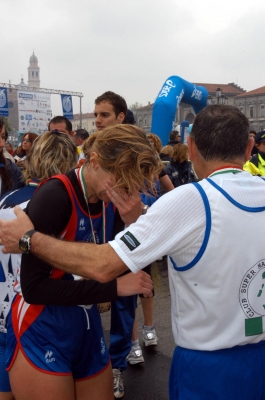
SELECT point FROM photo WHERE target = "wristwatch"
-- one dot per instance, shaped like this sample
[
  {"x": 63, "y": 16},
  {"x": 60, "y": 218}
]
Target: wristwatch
[
  {"x": 24, "y": 242},
  {"x": 144, "y": 209}
]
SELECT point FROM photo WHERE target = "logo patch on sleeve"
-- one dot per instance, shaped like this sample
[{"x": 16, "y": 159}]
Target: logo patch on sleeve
[{"x": 130, "y": 241}]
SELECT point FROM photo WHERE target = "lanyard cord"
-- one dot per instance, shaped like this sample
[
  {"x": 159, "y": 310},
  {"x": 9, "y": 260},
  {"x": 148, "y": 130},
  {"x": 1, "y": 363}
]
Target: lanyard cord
[{"x": 84, "y": 188}]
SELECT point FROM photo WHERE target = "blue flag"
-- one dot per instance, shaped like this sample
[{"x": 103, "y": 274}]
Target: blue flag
[
  {"x": 67, "y": 106},
  {"x": 3, "y": 102}
]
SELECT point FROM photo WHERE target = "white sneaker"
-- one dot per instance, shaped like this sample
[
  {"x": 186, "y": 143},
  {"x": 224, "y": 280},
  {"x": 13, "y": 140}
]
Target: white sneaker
[
  {"x": 118, "y": 383},
  {"x": 135, "y": 356},
  {"x": 150, "y": 337}
]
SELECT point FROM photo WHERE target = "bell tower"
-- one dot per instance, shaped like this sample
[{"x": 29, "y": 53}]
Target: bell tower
[{"x": 33, "y": 72}]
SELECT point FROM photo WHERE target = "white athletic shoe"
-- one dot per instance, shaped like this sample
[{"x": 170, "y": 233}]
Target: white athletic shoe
[
  {"x": 118, "y": 383},
  {"x": 150, "y": 337},
  {"x": 135, "y": 356}
]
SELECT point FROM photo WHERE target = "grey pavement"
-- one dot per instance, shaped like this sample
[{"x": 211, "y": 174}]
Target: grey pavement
[{"x": 149, "y": 380}]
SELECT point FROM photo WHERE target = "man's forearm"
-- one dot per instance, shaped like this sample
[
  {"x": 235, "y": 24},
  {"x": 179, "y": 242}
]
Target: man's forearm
[{"x": 91, "y": 261}]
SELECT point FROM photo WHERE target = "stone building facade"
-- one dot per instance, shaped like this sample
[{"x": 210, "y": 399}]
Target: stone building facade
[
  {"x": 252, "y": 104},
  {"x": 88, "y": 122}
]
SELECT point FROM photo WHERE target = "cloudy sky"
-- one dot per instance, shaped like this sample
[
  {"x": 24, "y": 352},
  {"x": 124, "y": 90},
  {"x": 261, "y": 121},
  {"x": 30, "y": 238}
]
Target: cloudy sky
[{"x": 131, "y": 47}]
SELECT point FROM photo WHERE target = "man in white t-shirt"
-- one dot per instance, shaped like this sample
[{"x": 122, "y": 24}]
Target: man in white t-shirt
[{"x": 212, "y": 232}]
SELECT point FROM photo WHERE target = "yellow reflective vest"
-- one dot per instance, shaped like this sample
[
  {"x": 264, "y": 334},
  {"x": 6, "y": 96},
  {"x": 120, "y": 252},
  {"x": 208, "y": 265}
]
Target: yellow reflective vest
[{"x": 257, "y": 167}]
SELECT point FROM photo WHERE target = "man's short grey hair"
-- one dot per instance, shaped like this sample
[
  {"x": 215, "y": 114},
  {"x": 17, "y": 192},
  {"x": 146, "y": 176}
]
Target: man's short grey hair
[
  {"x": 221, "y": 133},
  {"x": 81, "y": 133}
]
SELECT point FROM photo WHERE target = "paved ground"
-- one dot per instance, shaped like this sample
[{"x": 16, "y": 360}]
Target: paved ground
[{"x": 149, "y": 380}]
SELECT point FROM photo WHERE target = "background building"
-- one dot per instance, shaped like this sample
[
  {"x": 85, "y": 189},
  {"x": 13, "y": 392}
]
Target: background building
[
  {"x": 33, "y": 72},
  {"x": 252, "y": 104},
  {"x": 88, "y": 122}
]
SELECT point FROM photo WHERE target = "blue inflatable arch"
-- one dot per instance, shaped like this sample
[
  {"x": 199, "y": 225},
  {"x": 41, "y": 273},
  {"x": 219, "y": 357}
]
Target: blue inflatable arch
[{"x": 175, "y": 90}]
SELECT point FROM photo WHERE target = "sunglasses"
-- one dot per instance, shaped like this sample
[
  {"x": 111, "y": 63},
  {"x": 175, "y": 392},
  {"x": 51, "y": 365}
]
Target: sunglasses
[{"x": 26, "y": 140}]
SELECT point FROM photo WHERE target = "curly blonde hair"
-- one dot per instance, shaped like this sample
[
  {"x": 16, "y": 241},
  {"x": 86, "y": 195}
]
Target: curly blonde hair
[
  {"x": 168, "y": 150},
  {"x": 180, "y": 152},
  {"x": 51, "y": 153},
  {"x": 125, "y": 151},
  {"x": 157, "y": 141}
]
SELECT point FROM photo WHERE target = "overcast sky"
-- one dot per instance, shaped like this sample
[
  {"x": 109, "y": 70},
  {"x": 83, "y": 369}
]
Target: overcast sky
[{"x": 131, "y": 47}]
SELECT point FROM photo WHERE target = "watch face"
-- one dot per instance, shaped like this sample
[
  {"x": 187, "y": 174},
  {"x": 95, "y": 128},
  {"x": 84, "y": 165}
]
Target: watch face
[{"x": 24, "y": 244}]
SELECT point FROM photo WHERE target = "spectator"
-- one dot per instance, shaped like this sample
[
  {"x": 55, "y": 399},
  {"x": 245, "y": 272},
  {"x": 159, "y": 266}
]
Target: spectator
[
  {"x": 79, "y": 137},
  {"x": 9, "y": 148},
  {"x": 129, "y": 118},
  {"x": 252, "y": 134},
  {"x": 22, "y": 151},
  {"x": 10, "y": 176},
  {"x": 174, "y": 138},
  {"x": 155, "y": 141},
  {"x": 62, "y": 124},
  {"x": 180, "y": 170},
  {"x": 256, "y": 165},
  {"x": 166, "y": 153}
]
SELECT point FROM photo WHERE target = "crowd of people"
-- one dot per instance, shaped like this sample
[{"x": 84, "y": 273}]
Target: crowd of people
[{"x": 86, "y": 203}]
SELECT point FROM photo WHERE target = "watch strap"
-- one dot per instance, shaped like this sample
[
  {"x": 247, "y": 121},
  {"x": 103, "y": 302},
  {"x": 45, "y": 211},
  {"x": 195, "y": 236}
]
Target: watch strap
[
  {"x": 30, "y": 233},
  {"x": 25, "y": 239}
]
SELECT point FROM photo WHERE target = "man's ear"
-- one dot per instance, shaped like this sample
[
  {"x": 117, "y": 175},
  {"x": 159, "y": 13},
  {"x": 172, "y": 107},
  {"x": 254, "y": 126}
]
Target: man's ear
[
  {"x": 192, "y": 148},
  {"x": 249, "y": 148},
  {"x": 121, "y": 118}
]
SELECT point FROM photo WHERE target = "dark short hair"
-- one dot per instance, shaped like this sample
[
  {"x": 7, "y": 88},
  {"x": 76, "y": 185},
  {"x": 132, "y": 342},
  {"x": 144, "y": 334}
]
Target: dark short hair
[
  {"x": 118, "y": 102},
  {"x": 129, "y": 118},
  {"x": 253, "y": 131},
  {"x": 173, "y": 135},
  {"x": 221, "y": 133},
  {"x": 58, "y": 120},
  {"x": 81, "y": 133}
]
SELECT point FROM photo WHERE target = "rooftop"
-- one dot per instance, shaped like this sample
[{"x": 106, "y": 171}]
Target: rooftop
[
  {"x": 86, "y": 115},
  {"x": 254, "y": 92},
  {"x": 229, "y": 88},
  {"x": 33, "y": 58}
]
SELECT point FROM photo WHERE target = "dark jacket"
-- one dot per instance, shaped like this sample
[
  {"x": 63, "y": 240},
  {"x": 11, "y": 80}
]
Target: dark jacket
[
  {"x": 172, "y": 143},
  {"x": 16, "y": 176},
  {"x": 165, "y": 157},
  {"x": 180, "y": 173}
]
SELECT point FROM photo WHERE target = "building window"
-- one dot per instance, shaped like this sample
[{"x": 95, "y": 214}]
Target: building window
[
  {"x": 251, "y": 111},
  {"x": 37, "y": 74},
  {"x": 93, "y": 123},
  {"x": 262, "y": 111},
  {"x": 32, "y": 73},
  {"x": 241, "y": 109}
]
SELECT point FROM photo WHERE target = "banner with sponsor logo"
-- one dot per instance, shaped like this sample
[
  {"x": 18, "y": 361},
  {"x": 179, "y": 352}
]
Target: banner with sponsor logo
[
  {"x": 3, "y": 102},
  {"x": 34, "y": 111},
  {"x": 67, "y": 106},
  {"x": 175, "y": 90}
]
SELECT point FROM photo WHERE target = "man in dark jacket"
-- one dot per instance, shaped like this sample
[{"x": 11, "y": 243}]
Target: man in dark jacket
[{"x": 174, "y": 138}]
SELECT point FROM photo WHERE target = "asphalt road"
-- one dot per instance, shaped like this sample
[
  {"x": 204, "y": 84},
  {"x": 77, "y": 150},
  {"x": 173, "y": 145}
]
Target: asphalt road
[{"x": 149, "y": 380}]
